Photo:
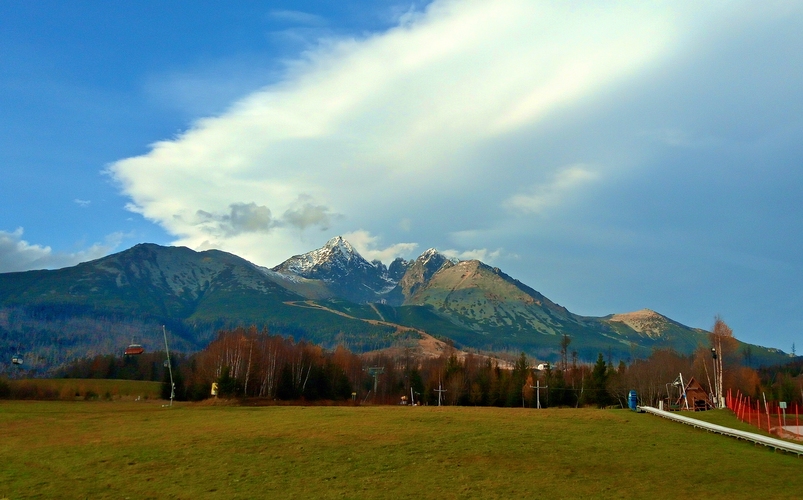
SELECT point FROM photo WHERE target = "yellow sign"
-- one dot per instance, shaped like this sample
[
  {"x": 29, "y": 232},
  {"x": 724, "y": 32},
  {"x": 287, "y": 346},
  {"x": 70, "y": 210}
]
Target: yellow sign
[{"x": 214, "y": 388}]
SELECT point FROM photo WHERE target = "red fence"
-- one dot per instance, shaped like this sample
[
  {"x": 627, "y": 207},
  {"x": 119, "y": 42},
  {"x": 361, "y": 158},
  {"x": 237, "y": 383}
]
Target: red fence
[{"x": 766, "y": 415}]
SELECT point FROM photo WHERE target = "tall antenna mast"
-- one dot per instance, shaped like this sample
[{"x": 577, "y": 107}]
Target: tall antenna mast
[{"x": 170, "y": 369}]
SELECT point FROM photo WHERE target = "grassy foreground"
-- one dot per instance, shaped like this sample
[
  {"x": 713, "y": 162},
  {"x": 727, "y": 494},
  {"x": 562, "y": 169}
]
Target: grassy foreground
[
  {"x": 120, "y": 449},
  {"x": 71, "y": 389}
]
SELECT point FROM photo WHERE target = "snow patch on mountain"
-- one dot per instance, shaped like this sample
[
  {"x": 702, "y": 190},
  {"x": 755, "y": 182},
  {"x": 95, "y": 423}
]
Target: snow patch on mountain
[{"x": 293, "y": 278}]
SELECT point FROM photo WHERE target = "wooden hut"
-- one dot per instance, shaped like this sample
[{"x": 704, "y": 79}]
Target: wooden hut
[{"x": 696, "y": 396}]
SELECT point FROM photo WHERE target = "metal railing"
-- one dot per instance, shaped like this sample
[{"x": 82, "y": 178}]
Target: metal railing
[{"x": 777, "y": 444}]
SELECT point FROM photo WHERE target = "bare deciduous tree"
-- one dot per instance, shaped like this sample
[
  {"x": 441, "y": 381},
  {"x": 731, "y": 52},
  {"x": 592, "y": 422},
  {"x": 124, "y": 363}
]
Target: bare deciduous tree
[{"x": 724, "y": 346}]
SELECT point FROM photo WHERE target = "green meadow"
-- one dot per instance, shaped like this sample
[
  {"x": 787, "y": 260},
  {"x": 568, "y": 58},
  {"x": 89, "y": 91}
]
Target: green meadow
[
  {"x": 138, "y": 449},
  {"x": 70, "y": 389}
]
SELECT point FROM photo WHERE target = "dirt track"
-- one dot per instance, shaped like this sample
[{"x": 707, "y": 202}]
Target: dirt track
[{"x": 427, "y": 345}]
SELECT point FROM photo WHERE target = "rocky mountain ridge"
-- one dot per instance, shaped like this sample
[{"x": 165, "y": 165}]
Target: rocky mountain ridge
[{"x": 339, "y": 267}]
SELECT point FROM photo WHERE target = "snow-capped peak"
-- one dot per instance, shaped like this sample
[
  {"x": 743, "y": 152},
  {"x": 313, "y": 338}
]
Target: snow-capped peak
[
  {"x": 338, "y": 244},
  {"x": 429, "y": 253},
  {"x": 433, "y": 253},
  {"x": 336, "y": 253}
]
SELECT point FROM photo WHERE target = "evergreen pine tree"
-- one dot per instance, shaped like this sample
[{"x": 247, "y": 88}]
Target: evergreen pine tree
[
  {"x": 226, "y": 384},
  {"x": 598, "y": 390}
]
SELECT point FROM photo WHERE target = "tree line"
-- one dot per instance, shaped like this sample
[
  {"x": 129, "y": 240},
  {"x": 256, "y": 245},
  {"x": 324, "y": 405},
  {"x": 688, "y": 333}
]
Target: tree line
[
  {"x": 252, "y": 363},
  {"x": 246, "y": 362}
]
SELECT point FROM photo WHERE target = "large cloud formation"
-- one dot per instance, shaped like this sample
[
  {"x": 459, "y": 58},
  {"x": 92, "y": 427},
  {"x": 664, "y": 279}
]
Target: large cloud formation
[{"x": 369, "y": 128}]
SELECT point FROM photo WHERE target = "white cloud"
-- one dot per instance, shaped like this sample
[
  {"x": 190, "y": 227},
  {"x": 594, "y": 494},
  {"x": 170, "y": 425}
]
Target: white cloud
[
  {"x": 543, "y": 196},
  {"x": 82, "y": 203},
  {"x": 382, "y": 126},
  {"x": 367, "y": 244},
  {"x": 17, "y": 254},
  {"x": 481, "y": 254}
]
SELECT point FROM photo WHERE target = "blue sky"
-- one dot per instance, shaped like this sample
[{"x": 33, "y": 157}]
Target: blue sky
[{"x": 612, "y": 156}]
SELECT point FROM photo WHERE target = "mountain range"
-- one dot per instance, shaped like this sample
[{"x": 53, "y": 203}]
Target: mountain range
[{"x": 330, "y": 296}]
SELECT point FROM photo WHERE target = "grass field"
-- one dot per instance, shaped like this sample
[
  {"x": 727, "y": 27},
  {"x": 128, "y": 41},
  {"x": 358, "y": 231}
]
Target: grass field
[
  {"x": 137, "y": 449},
  {"x": 70, "y": 389}
]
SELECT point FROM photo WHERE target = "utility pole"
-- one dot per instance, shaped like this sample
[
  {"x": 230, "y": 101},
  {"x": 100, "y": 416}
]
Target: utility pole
[
  {"x": 376, "y": 371},
  {"x": 440, "y": 390},
  {"x": 716, "y": 380},
  {"x": 538, "y": 388},
  {"x": 170, "y": 368},
  {"x": 541, "y": 367}
]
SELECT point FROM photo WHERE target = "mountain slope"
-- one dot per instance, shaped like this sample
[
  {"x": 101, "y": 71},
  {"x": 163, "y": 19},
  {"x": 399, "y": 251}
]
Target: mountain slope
[
  {"x": 481, "y": 295},
  {"x": 421, "y": 271},
  {"x": 492, "y": 311},
  {"x": 146, "y": 279},
  {"x": 498, "y": 312},
  {"x": 102, "y": 305},
  {"x": 330, "y": 296}
]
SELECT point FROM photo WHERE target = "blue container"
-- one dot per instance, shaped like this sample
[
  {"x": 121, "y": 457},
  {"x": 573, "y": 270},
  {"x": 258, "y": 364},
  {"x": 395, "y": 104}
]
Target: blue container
[{"x": 632, "y": 400}]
